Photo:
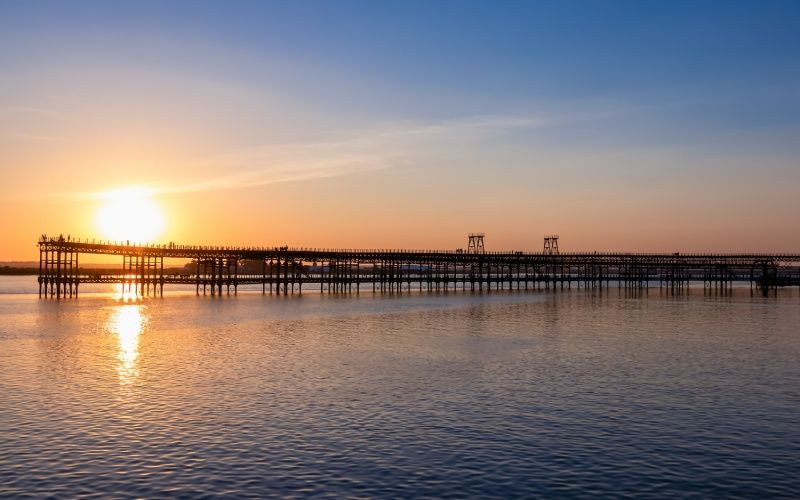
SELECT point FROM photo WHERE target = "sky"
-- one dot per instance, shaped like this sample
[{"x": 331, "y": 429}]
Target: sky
[{"x": 636, "y": 126}]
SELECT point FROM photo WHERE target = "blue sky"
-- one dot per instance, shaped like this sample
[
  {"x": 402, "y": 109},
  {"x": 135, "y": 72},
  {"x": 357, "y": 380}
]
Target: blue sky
[
  {"x": 564, "y": 97},
  {"x": 736, "y": 61}
]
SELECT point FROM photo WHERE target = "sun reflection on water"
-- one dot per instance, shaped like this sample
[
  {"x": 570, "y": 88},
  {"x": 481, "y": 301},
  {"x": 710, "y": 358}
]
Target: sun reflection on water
[
  {"x": 127, "y": 322},
  {"x": 126, "y": 292}
]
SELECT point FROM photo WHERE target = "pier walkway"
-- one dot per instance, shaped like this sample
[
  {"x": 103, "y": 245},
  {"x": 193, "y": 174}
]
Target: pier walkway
[{"x": 216, "y": 270}]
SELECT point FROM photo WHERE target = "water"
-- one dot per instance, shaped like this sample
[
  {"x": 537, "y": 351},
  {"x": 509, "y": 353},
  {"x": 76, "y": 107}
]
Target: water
[{"x": 495, "y": 394}]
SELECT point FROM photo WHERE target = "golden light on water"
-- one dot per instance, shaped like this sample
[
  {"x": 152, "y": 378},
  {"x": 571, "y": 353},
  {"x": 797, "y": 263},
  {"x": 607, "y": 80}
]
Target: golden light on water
[
  {"x": 126, "y": 291},
  {"x": 127, "y": 322},
  {"x": 130, "y": 214}
]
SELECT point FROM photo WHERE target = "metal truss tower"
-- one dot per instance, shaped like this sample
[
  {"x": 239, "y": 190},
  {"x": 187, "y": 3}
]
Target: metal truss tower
[
  {"x": 476, "y": 243},
  {"x": 551, "y": 244}
]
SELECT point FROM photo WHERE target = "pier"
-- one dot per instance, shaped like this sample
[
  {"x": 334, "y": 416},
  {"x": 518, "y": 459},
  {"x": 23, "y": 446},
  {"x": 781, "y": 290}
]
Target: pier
[{"x": 282, "y": 270}]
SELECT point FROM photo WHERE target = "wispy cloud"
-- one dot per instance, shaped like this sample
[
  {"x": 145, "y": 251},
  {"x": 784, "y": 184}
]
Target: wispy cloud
[
  {"x": 35, "y": 111},
  {"x": 16, "y": 120},
  {"x": 357, "y": 151},
  {"x": 21, "y": 136}
]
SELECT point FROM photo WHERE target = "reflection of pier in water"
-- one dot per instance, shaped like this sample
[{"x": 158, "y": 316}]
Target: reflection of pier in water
[{"x": 288, "y": 270}]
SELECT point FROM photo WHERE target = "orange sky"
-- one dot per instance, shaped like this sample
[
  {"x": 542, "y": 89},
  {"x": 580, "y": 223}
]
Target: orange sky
[{"x": 408, "y": 209}]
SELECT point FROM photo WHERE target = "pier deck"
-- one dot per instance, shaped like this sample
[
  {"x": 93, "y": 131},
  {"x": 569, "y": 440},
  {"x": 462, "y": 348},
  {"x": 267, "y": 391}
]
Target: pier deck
[{"x": 287, "y": 270}]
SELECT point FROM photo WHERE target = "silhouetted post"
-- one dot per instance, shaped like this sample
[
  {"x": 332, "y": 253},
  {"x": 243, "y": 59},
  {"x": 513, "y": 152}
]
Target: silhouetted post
[
  {"x": 40, "y": 272},
  {"x": 142, "y": 272},
  {"x": 58, "y": 273},
  {"x": 220, "y": 275},
  {"x": 213, "y": 276},
  {"x": 77, "y": 274}
]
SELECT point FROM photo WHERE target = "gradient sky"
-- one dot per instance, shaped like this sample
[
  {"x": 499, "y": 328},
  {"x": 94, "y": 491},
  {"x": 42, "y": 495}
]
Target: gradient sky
[{"x": 637, "y": 125}]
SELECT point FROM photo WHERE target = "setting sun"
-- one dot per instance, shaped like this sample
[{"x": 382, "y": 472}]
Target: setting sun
[{"x": 130, "y": 214}]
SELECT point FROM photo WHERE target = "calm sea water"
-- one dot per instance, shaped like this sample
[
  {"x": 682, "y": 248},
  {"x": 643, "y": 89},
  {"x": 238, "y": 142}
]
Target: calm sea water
[{"x": 501, "y": 394}]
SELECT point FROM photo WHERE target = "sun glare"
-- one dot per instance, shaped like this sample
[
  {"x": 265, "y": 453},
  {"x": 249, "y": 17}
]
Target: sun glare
[
  {"x": 127, "y": 323},
  {"x": 130, "y": 214}
]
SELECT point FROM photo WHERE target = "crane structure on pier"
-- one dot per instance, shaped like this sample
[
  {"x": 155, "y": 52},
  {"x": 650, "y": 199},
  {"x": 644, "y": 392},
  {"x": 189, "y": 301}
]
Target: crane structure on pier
[
  {"x": 551, "y": 244},
  {"x": 475, "y": 244}
]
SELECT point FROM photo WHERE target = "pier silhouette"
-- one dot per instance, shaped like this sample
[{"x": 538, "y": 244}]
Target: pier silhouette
[{"x": 283, "y": 269}]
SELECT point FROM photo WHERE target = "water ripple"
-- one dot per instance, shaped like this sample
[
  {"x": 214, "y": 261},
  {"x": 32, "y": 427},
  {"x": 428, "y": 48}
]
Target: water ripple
[{"x": 448, "y": 395}]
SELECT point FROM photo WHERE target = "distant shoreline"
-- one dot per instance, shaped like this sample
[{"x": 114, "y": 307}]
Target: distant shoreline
[
  {"x": 18, "y": 271},
  {"x": 34, "y": 271}
]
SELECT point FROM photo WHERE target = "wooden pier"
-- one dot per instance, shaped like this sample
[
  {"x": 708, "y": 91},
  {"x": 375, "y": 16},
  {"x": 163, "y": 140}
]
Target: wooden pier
[{"x": 218, "y": 270}]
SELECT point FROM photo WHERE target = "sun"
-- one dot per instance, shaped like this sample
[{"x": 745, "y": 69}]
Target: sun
[{"x": 130, "y": 215}]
